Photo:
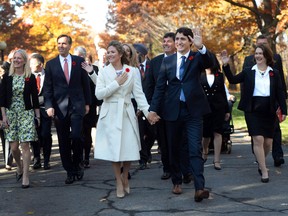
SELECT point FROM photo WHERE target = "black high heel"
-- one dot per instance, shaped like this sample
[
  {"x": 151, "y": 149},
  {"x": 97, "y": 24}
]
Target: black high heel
[
  {"x": 18, "y": 176},
  {"x": 217, "y": 167}
]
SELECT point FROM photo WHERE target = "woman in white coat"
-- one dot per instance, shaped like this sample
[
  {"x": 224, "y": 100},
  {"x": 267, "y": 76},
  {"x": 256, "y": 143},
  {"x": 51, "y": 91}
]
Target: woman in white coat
[{"x": 117, "y": 135}]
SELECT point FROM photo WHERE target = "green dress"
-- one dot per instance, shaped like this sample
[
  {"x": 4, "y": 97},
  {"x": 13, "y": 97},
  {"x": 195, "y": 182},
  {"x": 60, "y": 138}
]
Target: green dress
[{"x": 21, "y": 121}]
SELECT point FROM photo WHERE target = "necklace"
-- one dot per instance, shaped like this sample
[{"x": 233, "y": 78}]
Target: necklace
[{"x": 262, "y": 72}]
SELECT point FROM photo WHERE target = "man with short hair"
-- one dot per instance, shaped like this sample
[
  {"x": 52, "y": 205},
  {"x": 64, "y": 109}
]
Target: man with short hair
[
  {"x": 67, "y": 99},
  {"x": 44, "y": 129}
]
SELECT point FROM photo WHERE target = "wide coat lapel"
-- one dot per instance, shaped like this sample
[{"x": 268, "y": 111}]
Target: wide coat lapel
[{"x": 188, "y": 62}]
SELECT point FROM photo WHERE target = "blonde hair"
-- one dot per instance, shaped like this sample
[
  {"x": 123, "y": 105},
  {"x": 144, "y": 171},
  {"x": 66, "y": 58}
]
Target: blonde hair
[{"x": 26, "y": 68}]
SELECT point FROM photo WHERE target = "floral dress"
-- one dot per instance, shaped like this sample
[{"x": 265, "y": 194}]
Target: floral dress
[{"x": 21, "y": 121}]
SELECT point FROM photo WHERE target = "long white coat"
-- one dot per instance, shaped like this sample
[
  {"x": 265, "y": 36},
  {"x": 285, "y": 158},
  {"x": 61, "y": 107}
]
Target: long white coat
[{"x": 117, "y": 134}]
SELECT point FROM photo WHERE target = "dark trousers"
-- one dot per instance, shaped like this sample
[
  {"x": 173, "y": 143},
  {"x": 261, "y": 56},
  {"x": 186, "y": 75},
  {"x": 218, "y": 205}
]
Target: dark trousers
[
  {"x": 147, "y": 138},
  {"x": 44, "y": 138},
  {"x": 162, "y": 143},
  {"x": 70, "y": 144},
  {"x": 192, "y": 126},
  {"x": 87, "y": 140},
  {"x": 8, "y": 158},
  {"x": 277, "y": 151}
]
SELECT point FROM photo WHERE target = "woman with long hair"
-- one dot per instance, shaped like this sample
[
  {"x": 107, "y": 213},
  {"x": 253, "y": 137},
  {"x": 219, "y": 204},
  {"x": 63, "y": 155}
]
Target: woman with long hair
[{"x": 19, "y": 104}]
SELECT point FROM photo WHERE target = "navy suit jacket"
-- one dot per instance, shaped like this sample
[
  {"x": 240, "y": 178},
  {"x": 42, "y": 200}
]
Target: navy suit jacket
[
  {"x": 58, "y": 94},
  {"x": 152, "y": 76},
  {"x": 168, "y": 87},
  {"x": 249, "y": 62},
  {"x": 247, "y": 76}
]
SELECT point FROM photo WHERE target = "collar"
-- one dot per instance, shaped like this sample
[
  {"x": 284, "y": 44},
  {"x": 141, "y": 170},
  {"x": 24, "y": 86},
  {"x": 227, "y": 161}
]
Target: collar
[
  {"x": 255, "y": 67},
  {"x": 69, "y": 58},
  {"x": 180, "y": 55}
]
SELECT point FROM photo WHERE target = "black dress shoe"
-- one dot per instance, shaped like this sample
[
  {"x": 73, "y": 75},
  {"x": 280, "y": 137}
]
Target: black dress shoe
[
  {"x": 79, "y": 173},
  {"x": 165, "y": 176},
  {"x": 86, "y": 164},
  {"x": 279, "y": 161},
  {"x": 25, "y": 186},
  {"x": 187, "y": 178},
  {"x": 142, "y": 166},
  {"x": 265, "y": 180},
  {"x": 37, "y": 165},
  {"x": 18, "y": 176},
  {"x": 47, "y": 166},
  {"x": 69, "y": 179}
]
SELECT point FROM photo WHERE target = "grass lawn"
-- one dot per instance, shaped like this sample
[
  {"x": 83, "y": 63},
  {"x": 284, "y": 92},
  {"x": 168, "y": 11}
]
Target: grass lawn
[{"x": 239, "y": 121}]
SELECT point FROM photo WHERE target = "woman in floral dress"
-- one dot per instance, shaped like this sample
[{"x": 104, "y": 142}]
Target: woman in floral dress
[{"x": 19, "y": 102}]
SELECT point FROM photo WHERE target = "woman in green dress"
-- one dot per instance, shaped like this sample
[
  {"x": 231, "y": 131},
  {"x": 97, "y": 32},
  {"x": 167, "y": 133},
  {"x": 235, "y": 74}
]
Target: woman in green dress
[{"x": 20, "y": 110}]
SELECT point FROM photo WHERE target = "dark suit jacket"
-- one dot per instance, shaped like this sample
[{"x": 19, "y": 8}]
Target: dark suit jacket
[
  {"x": 249, "y": 62},
  {"x": 168, "y": 87},
  {"x": 144, "y": 79},
  {"x": 215, "y": 94},
  {"x": 152, "y": 76},
  {"x": 247, "y": 76},
  {"x": 58, "y": 94},
  {"x": 30, "y": 94}
]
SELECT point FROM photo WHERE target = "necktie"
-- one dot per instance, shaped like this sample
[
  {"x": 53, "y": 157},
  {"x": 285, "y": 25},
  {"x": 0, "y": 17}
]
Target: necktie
[
  {"x": 66, "y": 70},
  {"x": 181, "y": 73},
  {"x": 38, "y": 82},
  {"x": 142, "y": 70}
]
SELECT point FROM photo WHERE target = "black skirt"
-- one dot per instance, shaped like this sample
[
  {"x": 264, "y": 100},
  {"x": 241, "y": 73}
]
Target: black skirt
[{"x": 261, "y": 122}]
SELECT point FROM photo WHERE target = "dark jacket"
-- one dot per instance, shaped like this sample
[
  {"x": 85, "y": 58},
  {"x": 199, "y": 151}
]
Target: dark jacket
[
  {"x": 30, "y": 94},
  {"x": 247, "y": 76}
]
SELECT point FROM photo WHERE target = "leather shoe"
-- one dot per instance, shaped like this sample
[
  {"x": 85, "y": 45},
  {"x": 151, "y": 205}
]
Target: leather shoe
[
  {"x": 25, "y": 186},
  {"x": 187, "y": 178},
  {"x": 265, "y": 180},
  {"x": 177, "y": 189},
  {"x": 69, "y": 179},
  {"x": 165, "y": 176},
  {"x": 142, "y": 166},
  {"x": 47, "y": 166},
  {"x": 279, "y": 161},
  {"x": 200, "y": 195},
  {"x": 37, "y": 164},
  {"x": 18, "y": 176}
]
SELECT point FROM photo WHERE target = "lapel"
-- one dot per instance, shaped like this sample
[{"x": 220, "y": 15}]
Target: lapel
[
  {"x": 73, "y": 67},
  {"x": 61, "y": 71},
  {"x": 252, "y": 77},
  {"x": 111, "y": 73},
  {"x": 272, "y": 82}
]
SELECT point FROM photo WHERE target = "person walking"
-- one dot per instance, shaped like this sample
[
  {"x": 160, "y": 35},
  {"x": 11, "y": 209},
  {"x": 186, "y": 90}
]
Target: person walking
[
  {"x": 185, "y": 103},
  {"x": 262, "y": 90},
  {"x": 67, "y": 98},
  {"x": 19, "y": 105}
]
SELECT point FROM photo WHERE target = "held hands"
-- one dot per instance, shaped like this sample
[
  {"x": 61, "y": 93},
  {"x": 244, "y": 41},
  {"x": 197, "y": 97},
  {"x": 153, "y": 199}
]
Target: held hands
[
  {"x": 5, "y": 122},
  {"x": 153, "y": 117},
  {"x": 122, "y": 78},
  {"x": 197, "y": 38},
  {"x": 87, "y": 67},
  {"x": 224, "y": 57},
  {"x": 50, "y": 112}
]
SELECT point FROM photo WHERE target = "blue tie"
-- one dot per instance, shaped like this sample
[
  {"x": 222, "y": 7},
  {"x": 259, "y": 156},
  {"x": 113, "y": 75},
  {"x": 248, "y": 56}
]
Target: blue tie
[{"x": 181, "y": 73}]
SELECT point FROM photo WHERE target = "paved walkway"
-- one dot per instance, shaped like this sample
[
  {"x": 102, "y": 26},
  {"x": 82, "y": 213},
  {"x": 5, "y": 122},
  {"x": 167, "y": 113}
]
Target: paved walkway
[{"x": 235, "y": 190}]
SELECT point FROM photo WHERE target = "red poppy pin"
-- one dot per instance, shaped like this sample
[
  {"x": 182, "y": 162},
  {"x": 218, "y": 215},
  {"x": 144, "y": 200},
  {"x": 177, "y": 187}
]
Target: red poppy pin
[
  {"x": 27, "y": 79},
  {"x": 147, "y": 66},
  {"x": 271, "y": 74},
  {"x": 191, "y": 58},
  {"x": 216, "y": 74},
  {"x": 73, "y": 63},
  {"x": 127, "y": 70}
]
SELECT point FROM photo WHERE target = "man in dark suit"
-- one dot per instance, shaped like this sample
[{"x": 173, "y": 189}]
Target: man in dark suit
[
  {"x": 146, "y": 130},
  {"x": 185, "y": 103},
  {"x": 277, "y": 151},
  {"x": 90, "y": 119},
  {"x": 168, "y": 45},
  {"x": 67, "y": 99},
  {"x": 44, "y": 130}
]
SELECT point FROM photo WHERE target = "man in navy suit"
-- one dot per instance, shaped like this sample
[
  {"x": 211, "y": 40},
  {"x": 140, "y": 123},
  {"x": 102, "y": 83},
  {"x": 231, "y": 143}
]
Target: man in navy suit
[
  {"x": 67, "y": 99},
  {"x": 179, "y": 88},
  {"x": 44, "y": 129},
  {"x": 277, "y": 151}
]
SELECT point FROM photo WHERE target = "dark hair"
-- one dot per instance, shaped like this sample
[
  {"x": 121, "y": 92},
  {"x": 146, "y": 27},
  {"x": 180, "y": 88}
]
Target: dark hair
[
  {"x": 170, "y": 34},
  {"x": 215, "y": 67},
  {"x": 67, "y": 36},
  {"x": 267, "y": 53},
  {"x": 185, "y": 31},
  {"x": 120, "y": 49},
  {"x": 39, "y": 58},
  {"x": 261, "y": 37}
]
